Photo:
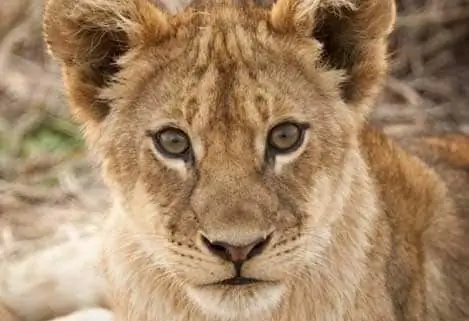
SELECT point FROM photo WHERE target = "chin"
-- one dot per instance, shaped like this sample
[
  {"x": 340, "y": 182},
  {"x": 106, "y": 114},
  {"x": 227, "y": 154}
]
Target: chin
[{"x": 238, "y": 302}]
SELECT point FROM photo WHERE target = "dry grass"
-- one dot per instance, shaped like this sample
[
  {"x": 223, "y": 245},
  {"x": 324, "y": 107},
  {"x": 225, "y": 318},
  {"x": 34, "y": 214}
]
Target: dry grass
[{"x": 48, "y": 190}]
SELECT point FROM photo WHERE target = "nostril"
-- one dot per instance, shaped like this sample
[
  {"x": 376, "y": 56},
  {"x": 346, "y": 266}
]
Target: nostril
[
  {"x": 259, "y": 247},
  {"x": 217, "y": 248}
]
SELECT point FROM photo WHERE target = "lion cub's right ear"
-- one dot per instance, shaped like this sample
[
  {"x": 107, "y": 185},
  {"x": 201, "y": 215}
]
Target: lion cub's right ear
[
  {"x": 354, "y": 34},
  {"x": 89, "y": 36}
]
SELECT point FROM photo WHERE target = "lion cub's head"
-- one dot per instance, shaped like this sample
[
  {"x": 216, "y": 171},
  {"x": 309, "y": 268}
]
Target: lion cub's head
[{"x": 225, "y": 130}]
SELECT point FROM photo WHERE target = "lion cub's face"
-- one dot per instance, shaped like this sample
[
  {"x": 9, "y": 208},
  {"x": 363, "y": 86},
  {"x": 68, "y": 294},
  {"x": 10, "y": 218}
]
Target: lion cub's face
[
  {"x": 228, "y": 158},
  {"x": 226, "y": 142}
]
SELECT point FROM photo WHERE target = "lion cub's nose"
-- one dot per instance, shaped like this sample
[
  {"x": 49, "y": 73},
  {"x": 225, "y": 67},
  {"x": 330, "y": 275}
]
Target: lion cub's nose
[{"x": 234, "y": 253}]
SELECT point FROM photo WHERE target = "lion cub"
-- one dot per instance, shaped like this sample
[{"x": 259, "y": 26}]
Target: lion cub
[{"x": 247, "y": 182}]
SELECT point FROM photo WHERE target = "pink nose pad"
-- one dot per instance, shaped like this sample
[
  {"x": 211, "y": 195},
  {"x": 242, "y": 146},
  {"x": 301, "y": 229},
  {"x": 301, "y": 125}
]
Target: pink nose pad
[{"x": 234, "y": 253}]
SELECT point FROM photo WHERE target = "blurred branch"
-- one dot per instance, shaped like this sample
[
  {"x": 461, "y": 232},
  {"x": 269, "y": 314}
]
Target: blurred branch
[{"x": 425, "y": 18}]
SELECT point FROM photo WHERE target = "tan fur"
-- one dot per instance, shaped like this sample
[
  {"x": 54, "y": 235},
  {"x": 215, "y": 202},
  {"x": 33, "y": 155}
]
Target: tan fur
[{"x": 361, "y": 230}]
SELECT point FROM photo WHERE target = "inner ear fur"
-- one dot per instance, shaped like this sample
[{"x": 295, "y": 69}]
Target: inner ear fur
[
  {"x": 89, "y": 36},
  {"x": 354, "y": 34}
]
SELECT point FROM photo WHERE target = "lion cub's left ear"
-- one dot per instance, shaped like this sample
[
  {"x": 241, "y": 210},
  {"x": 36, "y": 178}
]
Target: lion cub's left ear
[
  {"x": 89, "y": 36},
  {"x": 354, "y": 34}
]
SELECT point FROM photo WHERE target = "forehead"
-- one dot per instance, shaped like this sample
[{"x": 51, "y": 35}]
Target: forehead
[{"x": 232, "y": 73}]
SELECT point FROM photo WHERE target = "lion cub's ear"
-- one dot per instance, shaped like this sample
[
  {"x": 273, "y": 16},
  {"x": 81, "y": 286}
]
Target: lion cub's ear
[
  {"x": 354, "y": 34},
  {"x": 89, "y": 36}
]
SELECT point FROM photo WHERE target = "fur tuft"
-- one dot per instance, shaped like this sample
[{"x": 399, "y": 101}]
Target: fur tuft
[
  {"x": 307, "y": 9},
  {"x": 301, "y": 15}
]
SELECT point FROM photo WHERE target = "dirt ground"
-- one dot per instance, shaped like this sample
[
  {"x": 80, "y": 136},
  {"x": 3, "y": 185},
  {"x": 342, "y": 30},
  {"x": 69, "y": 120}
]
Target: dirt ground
[{"x": 51, "y": 192}]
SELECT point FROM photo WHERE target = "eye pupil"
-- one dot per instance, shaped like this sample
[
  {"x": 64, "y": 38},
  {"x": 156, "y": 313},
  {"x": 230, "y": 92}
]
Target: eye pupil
[
  {"x": 285, "y": 137},
  {"x": 172, "y": 142}
]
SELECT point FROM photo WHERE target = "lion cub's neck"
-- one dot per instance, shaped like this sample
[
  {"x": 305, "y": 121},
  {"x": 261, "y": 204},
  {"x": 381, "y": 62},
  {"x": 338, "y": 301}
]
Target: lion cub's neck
[{"x": 140, "y": 292}]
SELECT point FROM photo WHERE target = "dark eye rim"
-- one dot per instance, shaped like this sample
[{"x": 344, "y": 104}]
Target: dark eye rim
[
  {"x": 155, "y": 136},
  {"x": 302, "y": 127}
]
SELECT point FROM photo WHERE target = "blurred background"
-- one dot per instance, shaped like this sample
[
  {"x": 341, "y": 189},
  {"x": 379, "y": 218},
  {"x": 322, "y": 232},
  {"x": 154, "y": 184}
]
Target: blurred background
[{"x": 49, "y": 189}]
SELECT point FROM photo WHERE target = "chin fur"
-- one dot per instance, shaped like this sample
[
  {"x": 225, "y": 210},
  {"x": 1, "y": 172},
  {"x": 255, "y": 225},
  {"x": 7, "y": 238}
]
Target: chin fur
[{"x": 238, "y": 302}]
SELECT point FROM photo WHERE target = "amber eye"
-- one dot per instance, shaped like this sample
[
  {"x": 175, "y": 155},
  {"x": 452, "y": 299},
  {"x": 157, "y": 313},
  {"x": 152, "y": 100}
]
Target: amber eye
[
  {"x": 285, "y": 137},
  {"x": 172, "y": 142}
]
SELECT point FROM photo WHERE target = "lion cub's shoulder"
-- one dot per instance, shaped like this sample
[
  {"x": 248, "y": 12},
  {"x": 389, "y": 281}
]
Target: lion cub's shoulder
[
  {"x": 421, "y": 165},
  {"x": 423, "y": 185},
  {"x": 448, "y": 155}
]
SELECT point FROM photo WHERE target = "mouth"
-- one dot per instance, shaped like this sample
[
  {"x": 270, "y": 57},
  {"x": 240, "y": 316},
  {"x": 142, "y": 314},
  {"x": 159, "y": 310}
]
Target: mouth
[{"x": 238, "y": 281}]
